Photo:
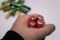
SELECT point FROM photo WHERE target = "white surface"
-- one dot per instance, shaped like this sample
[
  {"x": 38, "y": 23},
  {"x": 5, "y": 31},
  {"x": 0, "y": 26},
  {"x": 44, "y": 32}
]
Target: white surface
[{"x": 50, "y": 9}]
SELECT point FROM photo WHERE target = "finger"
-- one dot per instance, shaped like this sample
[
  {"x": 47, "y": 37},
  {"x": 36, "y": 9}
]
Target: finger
[{"x": 48, "y": 29}]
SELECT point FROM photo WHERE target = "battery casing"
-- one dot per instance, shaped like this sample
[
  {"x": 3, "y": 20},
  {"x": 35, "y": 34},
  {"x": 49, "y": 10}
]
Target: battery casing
[
  {"x": 36, "y": 22},
  {"x": 39, "y": 23},
  {"x": 32, "y": 24}
]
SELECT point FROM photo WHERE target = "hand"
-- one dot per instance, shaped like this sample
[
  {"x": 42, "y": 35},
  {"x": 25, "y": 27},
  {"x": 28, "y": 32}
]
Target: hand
[{"x": 20, "y": 26}]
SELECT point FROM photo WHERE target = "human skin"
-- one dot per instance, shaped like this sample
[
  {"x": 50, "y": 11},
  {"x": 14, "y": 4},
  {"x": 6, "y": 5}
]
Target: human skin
[{"x": 20, "y": 26}]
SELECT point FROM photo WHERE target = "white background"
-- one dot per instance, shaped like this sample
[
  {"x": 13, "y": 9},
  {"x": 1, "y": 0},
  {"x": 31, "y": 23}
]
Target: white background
[{"x": 50, "y": 9}]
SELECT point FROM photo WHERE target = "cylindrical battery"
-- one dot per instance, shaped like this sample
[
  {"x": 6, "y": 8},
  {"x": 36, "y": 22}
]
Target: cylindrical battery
[
  {"x": 13, "y": 13},
  {"x": 25, "y": 9},
  {"x": 13, "y": 4},
  {"x": 9, "y": 14},
  {"x": 18, "y": 13},
  {"x": 11, "y": 0},
  {"x": 32, "y": 24},
  {"x": 6, "y": 9},
  {"x": 40, "y": 23},
  {"x": 32, "y": 18},
  {"x": 5, "y": 5},
  {"x": 40, "y": 17},
  {"x": 21, "y": 1},
  {"x": 7, "y": 1}
]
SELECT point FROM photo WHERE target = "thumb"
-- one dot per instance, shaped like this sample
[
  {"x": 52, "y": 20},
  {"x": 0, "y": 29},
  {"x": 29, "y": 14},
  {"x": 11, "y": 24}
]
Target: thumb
[{"x": 46, "y": 30}]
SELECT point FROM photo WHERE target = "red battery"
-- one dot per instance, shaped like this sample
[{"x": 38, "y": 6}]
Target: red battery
[
  {"x": 36, "y": 22},
  {"x": 32, "y": 24},
  {"x": 32, "y": 18},
  {"x": 40, "y": 17},
  {"x": 40, "y": 23}
]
